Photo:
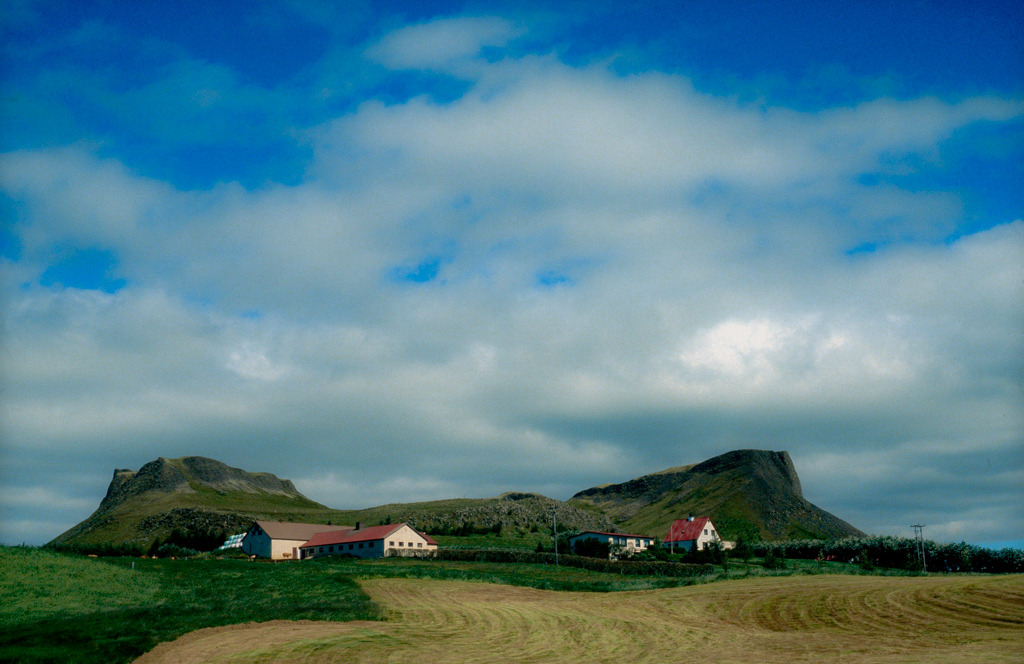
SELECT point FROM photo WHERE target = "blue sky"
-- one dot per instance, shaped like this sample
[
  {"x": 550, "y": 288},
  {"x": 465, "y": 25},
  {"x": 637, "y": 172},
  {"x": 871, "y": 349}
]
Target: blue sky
[{"x": 532, "y": 246}]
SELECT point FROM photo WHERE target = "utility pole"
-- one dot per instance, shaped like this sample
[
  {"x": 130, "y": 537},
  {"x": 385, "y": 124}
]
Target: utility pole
[
  {"x": 919, "y": 536},
  {"x": 554, "y": 530}
]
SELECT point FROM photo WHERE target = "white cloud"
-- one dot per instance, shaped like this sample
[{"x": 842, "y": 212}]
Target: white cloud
[{"x": 442, "y": 43}]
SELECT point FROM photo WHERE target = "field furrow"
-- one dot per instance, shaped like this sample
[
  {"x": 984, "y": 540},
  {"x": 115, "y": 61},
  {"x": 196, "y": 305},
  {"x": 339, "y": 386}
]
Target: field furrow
[{"x": 796, "y": 619}]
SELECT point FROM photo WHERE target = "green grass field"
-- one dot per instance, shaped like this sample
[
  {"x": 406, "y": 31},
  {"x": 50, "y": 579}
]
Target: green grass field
[{"x": 63, "y": 608}]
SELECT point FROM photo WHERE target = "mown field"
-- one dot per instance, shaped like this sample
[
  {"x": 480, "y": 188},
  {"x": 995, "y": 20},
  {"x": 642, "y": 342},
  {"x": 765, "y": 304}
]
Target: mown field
[
  {"x": 61, "y": 608},
  {"x": 821, "y": 618}
]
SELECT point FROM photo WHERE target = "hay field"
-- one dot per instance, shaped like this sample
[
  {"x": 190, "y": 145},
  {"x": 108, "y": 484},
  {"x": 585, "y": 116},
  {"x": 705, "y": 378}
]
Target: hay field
[{"x": 794, "y": 619}]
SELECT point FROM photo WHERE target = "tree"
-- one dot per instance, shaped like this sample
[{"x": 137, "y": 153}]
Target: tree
[{"x": 592, "y": 548}]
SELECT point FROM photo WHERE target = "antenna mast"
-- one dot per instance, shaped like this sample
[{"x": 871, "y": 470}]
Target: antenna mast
[{"x": 919, "y": 537}]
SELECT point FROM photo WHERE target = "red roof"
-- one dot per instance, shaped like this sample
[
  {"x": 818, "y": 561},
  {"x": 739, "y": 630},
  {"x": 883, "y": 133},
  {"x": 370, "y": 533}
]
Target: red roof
[
  {"x": 598, "y": 532},
  {"x": 362, "y": 535},
  {"x": 684, "y": 530}
]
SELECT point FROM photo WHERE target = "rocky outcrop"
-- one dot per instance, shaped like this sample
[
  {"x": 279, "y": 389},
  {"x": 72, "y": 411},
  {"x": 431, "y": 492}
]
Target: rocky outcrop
[
  {"x": 195, "y": 520},
  {"x": 191, "y": 494},
  {"x": 187, "y": 474},
  {"x": 521, "y": 511}
]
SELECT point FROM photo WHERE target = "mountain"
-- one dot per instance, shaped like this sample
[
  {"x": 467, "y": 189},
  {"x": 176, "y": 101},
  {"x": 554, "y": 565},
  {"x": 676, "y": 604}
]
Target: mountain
[
  {"x": 754, "y": 493},
  {"x": 200, "y": 494},
  {"x": 192, "y": 493}
]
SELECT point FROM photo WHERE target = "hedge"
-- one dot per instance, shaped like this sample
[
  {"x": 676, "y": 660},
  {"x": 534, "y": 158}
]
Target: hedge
[
  {"x": 901, "y": 553},
  {"x": 625, "y": 567}
]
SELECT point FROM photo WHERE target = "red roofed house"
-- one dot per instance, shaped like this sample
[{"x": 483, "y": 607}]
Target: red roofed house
[
  {"x": 280, "y": 540},
  {"x": 691, "y": 534},
  {"x": 629, "y": 542},
  {"x": 374, "y": 542}
]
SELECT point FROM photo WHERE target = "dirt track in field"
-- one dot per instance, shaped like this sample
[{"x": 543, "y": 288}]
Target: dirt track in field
[{"x": 783, "y": 619}]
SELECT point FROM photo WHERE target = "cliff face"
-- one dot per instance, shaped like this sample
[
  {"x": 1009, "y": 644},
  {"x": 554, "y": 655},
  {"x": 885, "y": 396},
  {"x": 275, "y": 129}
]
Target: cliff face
[{"x": 756, "y": 493}]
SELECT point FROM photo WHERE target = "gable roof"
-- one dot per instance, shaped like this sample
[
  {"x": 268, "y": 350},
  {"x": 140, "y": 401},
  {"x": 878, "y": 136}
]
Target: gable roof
[
  {"x": 599, "y": 532},
  {"x": 288, "y": 530},
  {"x": 683, "y": 530},
  {"x": 361, "y": 535}
]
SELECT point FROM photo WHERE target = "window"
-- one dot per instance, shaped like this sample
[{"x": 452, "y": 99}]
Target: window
[
  {"x": 321, "y": 549},
  {"x": 330, "y": 549},
  {"x": 360, "y": 545},
  {"x": 401, "y": 544},
  {"x": 351, "y": 546},
  {"x": 370, "y": 545},
  {"x": 391, "y": 543},
  {"x": 419, "y": 544},
  {"x": 705, "y": 531}
]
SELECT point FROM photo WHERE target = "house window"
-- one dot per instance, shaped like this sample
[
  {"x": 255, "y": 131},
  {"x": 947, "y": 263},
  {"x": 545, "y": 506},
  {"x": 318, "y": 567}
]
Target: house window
[
  {"x": 321, "y": 549},
  {"x": 370, "y": 545},
  {"x": 401, "y": 544},
  {"x": 705, "y": 531},
  {"x": 360, "y": 545},
  {"x": 330, "y": 549},
  {"x": 419, "y": 544},
  {"x": 351, "y": 546},
  {"x": 391, "y": 543}
]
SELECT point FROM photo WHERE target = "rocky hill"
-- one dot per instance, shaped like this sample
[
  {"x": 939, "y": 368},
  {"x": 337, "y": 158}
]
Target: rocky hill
[
  {"x": 191, "y": 493},
  {"x": 755, "y": 493},
  {"x": 752, "y": 492},
  {"x": 197, "y": 494}
]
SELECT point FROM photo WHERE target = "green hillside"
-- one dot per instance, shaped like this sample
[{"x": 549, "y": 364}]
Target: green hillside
[
  {"x": 750, "y": 493},
  {"x": 754, "y": 493},
  {"x": 195, "y": 494}
]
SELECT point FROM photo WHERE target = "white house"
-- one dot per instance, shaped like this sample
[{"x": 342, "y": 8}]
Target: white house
[
  {"x": 691, "y": 534},
  {"x": 630, "y": 543},
  {"x": 373, "y": 542},
  {"x": 280, "y": 540}
]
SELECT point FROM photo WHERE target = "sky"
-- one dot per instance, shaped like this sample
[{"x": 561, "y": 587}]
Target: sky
[{"x": 407, "y": 251}]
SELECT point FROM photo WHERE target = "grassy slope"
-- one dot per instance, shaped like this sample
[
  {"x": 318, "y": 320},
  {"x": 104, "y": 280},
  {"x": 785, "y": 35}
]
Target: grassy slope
[
  {"x": 122, "y": 522},
  {"x": 718, "y": 496},
  {"x": 74, "y": 609}
]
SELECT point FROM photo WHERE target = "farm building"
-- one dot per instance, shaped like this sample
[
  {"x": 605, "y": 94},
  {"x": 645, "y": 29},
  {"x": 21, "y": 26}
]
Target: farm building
[
  {"x": 630, "y": 543},
  {"x": 691, "y": 534},
  {"x": 280, "y": 540},
  {"x": 373, "y": 542}
]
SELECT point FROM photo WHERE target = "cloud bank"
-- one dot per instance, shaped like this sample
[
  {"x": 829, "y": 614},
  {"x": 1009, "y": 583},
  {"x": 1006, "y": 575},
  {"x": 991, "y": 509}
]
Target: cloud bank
[{"x": 560, "y": 276}]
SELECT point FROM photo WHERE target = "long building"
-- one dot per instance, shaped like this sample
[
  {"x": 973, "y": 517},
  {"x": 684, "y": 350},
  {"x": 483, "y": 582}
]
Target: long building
[
  {"x": 280, "y": 540},
  {"x": 374, "y": 542}
]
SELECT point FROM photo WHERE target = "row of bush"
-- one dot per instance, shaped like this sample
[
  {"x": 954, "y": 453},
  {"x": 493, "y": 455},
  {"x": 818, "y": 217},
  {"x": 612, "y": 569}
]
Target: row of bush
[
  {"x": 102, "y": 549},
  {"x": 898, "y": 553},
  {"x": 180, "y": 543},
  {"x": 626, "y": 567}
]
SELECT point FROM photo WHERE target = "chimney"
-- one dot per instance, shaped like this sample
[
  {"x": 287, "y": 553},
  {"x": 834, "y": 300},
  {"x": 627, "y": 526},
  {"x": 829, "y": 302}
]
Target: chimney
[
  {"x": 689, "y": 518},
  {"x": 359, "y": 524}
]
